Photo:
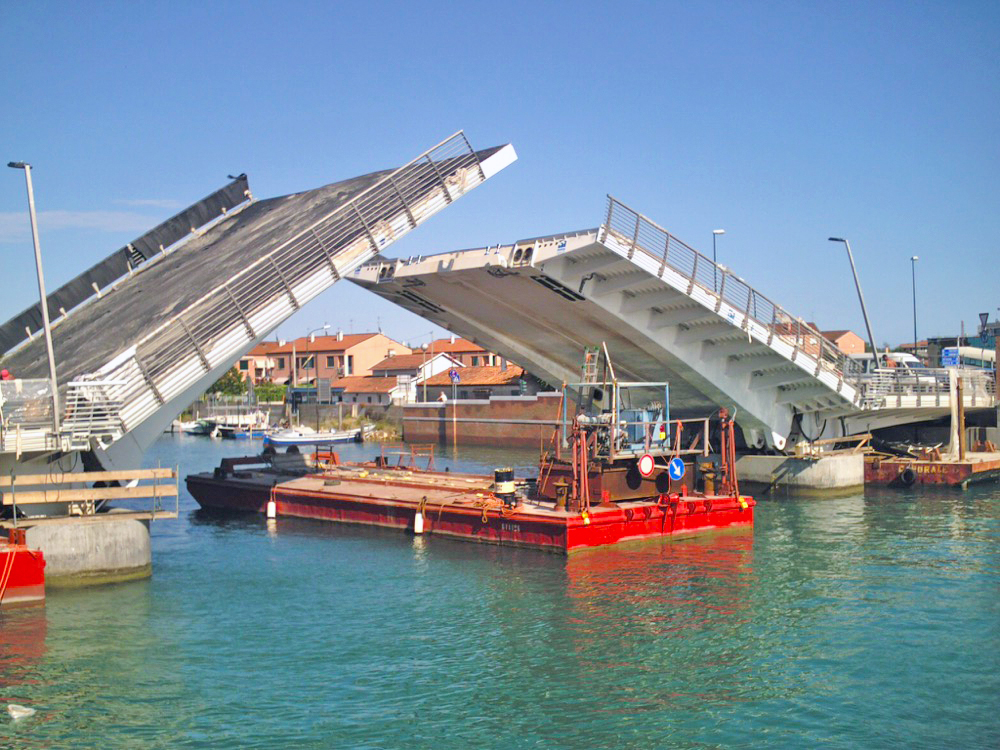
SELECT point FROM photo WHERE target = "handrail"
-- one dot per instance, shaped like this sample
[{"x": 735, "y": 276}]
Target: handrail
[
  {"x": 194, "y": 341},
  {"x": 639, "y": 233}
]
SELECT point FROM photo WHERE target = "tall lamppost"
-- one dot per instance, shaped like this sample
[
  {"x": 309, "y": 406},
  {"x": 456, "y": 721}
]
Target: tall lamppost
[
  {"x": 310, "y": 339},
  {"x": 41, "y": 291},
  {"x": 913, "y": 274},
  {"x": 715, "y": 262},
  {"x": 861, "y": 298}
]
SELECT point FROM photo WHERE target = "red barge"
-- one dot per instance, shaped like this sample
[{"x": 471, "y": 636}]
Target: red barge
[
  {"x": 22, "y": 572},
  {"x": 622, "y": 474}
]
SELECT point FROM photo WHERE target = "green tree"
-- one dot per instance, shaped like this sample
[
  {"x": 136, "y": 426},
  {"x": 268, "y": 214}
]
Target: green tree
[
  {"x": 269, "y": 391},
  {"x": 230, "y": 384}
]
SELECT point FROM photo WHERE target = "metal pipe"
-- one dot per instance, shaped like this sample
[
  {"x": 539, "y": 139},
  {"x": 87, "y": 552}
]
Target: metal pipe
[
  {"x": 913, "y": 273},
  {"x": 715, "y": 262},
  {"x": 41, "y": 292},
  {"x": 861, "y": 298}
]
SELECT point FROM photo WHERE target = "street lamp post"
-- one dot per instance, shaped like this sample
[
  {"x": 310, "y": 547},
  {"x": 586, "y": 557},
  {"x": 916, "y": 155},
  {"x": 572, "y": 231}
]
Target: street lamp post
[
  {"x": 310, "y": 339},
  {"x": 41, "y": 292},
  {"x": 913, "y": 274},
  {"x": 861, "y": 297},
  {"x": 715, "y": 262}
]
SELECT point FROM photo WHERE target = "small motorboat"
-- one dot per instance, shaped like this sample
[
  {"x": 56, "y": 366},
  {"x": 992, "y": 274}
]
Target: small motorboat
[{"x": 308, "y": 436}]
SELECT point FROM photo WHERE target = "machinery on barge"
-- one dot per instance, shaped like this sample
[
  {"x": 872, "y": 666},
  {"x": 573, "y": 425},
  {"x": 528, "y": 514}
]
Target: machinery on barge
[{"x": 618, "y": 470}]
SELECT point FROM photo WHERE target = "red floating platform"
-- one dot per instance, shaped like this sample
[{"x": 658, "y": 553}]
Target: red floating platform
[{"x": 22, "y": 572}]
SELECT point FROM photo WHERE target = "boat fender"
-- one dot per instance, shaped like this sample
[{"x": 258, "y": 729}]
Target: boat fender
[
  {"x": 418, "y": 523},
  {"x": 272, "y": 509},
  {"x": 586, "y": 518},
  {"x": 907, "y": 476}
]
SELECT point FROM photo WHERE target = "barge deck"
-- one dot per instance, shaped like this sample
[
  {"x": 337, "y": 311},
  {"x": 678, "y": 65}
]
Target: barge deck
[{"x": 465, "y": 507}]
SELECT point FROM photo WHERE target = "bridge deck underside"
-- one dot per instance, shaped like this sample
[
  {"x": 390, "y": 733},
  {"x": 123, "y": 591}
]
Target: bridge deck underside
[
  {"x": 537, "y": 327},
  {"x": 574, "y": 291}
]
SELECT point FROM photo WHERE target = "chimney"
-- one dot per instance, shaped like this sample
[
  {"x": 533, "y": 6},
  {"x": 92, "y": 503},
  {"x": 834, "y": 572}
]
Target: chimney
[
  {"x": 340, "y": 335},
  {"x": 453, "y": 338}
]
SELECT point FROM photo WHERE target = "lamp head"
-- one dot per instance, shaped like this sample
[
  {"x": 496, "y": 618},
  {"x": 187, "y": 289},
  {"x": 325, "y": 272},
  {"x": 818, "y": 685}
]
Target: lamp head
[
  {"x": 915, "y": 257},
  {"x": 18, "y": 164},
  {"x": 837, "y": 239},
  {"x": 718, "y": 231}
]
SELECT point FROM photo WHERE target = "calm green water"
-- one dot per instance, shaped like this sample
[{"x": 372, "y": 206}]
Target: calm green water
[{"x": 865, "y": 622}]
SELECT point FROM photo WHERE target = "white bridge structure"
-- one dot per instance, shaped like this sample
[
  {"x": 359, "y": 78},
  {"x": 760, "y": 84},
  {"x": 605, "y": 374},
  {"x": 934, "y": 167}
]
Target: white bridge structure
[
  {"x": 666, "y": 312},
  {"x": 141, "y": 334}
]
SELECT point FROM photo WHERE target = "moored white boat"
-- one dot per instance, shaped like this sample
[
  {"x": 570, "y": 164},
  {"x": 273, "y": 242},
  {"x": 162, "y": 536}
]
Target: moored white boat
[{"x": 308, "y": 436}]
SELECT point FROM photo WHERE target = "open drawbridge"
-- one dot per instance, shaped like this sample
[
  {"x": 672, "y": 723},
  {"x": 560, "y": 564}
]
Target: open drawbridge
[
  {"x": 141, "y": 334},
  {"x": 666, "y": 312}
]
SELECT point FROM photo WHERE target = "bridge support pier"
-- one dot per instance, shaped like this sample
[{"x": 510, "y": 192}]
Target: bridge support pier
[
  {"x": 785, "y": 476},
  {"x": 90, "y": 551}
]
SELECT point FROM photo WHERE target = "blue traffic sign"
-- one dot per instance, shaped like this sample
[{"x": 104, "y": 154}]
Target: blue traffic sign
[{"x": 676, "y": 468}]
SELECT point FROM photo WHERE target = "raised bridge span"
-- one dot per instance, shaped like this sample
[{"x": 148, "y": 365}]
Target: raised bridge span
[
  {"x": 142, "y": 333},
  {"x": 666, "y": 312}
]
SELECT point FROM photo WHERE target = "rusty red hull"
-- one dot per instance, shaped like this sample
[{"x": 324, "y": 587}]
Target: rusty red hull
[
  {"x": 903, "y": 472},
  {"x": 395, "y": 504},
  {"x": 22, "y": 575}
]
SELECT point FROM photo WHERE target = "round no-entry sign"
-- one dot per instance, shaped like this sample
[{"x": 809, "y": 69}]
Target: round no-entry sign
[{"x": 646, "y": 465}]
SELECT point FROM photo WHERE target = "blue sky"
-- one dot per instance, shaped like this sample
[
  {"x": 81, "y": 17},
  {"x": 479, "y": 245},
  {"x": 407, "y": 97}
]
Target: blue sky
[{"x": 782, "y": 122}]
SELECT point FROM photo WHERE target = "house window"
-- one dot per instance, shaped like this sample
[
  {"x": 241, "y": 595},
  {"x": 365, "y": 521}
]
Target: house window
[
  {"x": 349, "y": 370},
  {"x": 306, "y": 363},
  {"x": 369, "y": 399},
  {"x": 331, "y": 361},
  {"x": 475, "y": 361},
  {"x": 281, "y": 363},
  {"x": 483, "y": 393},
  {"x": 245, "y": 365}
]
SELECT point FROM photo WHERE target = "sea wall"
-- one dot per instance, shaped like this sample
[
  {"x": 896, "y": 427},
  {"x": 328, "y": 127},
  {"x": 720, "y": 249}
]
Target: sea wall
[{"x": 523, "y": 421}]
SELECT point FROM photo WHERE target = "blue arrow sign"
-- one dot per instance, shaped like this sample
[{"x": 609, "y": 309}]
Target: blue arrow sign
[{"x": 676, "y": 468}]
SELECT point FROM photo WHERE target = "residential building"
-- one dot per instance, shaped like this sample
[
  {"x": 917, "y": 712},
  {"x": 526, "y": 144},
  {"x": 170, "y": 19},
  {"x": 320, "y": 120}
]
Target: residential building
[
  {"x": 481, "y": 383},
  {"x": 467, "y": 352},
  {"x": 303, "y": 360},
  {"x": 379, "y": 391},
  {"x": 847, "y": 341}
]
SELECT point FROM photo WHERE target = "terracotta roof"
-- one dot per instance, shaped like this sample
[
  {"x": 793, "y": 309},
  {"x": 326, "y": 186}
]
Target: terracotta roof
[
  {"x": 364, "y": 384},
  {"x": 263, "y": 349},
  {"x": 834, "y": 335},
  {"x": 459, "y": 346},
  {"x": 321, "y": 344},
  {"x": 480, "y": 376},
  {"x": 402, "y": 362}
]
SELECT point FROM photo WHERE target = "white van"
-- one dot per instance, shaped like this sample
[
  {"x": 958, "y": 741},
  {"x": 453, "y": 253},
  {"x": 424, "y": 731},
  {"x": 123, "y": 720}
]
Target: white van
[{"x": 865, "y": 363}]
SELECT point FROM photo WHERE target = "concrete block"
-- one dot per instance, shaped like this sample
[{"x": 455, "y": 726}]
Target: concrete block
[
  {"x": 85, "y": 551},
  {"x": 836, "y": 475}
]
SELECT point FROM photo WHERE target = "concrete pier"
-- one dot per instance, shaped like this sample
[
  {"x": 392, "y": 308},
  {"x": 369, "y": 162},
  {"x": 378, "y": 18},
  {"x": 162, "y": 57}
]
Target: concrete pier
[
  {"x": 783, "y": 476},
  {"x": 89, "y": 551}
]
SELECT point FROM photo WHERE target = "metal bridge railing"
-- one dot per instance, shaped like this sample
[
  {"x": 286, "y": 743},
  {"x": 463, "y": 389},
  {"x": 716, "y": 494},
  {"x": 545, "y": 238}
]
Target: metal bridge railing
[
  {"x": 253, "y": 302},
  {"x": 924, "y": 387},
  {"x": 639, "y": 234},
  {"x": 26, "y": 415}
]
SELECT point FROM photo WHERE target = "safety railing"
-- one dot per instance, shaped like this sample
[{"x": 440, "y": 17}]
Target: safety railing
[
  {"x": 254, "y": 301},
  {"x": 88, "y": 411},
  {"x": 638, "y": 234},
  {"x": 924, "y": 387}
]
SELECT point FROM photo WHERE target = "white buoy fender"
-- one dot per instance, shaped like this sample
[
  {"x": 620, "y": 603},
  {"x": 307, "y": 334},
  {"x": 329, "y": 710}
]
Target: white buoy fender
[
  {"x": 272, "y": 509},
  {"x": 418, "y": 523}
]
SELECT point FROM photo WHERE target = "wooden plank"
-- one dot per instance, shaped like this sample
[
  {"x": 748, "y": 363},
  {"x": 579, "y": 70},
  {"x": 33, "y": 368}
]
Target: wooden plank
[
  {"x": 144, "y": 515},
  {"x": 30, "y": 480},
  {"x": 91, "y": 493}
]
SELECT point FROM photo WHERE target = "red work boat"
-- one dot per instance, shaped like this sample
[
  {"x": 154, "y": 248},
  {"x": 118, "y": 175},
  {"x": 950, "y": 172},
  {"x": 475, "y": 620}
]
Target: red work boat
[
  {"x": 616, "y": 474},
  {"x": 22, "y": 572}
]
